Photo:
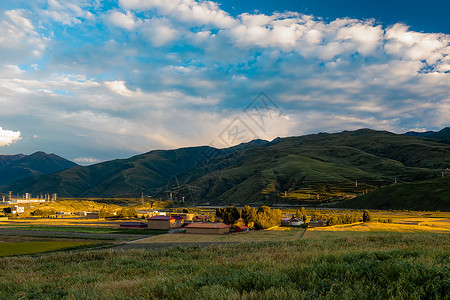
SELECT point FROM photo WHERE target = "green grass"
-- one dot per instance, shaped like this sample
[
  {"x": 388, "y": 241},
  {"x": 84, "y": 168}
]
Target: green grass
[
  {"x": 423, "y": 195},
  {"x": 91, "y": 229},
  {"x": 20, "y": 248},
  {"x": 320, "y": 266}
]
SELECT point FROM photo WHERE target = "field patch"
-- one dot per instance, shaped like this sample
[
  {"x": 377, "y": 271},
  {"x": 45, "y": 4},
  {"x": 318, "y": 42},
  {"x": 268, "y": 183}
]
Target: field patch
[
  {"x": 252, "y": 236},
  {"x": 29, "y": 247},
  {"x": 401, "y": 225}
]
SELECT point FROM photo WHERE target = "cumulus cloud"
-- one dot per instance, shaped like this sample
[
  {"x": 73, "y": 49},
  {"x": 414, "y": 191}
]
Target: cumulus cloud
[
  {"x": 86, "y": 160},
  {"x": 8, "y": 137},
  {"x": 172, "y": 73},
  {"x": 19, "y": 39},
  {"x": 67, "y": 12}
]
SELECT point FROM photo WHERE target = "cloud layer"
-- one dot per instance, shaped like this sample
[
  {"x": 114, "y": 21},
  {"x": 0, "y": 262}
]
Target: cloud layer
[
  {"x": 145, "y": 74},
  {"x": 8, "y": 137}
]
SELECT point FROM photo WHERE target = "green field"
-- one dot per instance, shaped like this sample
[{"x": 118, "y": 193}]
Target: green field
[
  {"x": 90, "y": 229},
  {"x": 20, "y": 248},
  {"x": 344, "y": 265}
]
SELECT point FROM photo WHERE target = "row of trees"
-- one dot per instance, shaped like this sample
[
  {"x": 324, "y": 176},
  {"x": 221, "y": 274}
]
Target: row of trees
[
  {"x": 261, "y": 218},
  {"x": 337, "y": 219},
  {"x": 343, "y": 219},
  {"x": 125, "y": 212}
]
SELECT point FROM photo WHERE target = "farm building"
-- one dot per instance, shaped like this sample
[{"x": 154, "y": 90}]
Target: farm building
[
  {"x": 17, "y": 209},
  {"x": 133, "y": 225},
  {"x": 242, "y": 228},
  {"x": 296, "y": 222},
  {"x": 207, "y": 228},
  {"x": 199, "y": 218},
  {"x": 286, "y": 221},
  {"x": 164, "y": 222},
  {"x": 186, "y": 216}
]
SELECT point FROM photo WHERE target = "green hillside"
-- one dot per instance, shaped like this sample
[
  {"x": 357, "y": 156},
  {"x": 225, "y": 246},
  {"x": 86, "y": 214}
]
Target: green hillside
[
  {"x": 297, "y": 170},
  {"x": 22, "y": 166},
  {"x": 424, "y": 195}
]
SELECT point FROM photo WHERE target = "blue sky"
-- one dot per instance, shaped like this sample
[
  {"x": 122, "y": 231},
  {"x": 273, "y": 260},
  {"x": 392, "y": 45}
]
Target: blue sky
[{"x": 97, "y": 80}]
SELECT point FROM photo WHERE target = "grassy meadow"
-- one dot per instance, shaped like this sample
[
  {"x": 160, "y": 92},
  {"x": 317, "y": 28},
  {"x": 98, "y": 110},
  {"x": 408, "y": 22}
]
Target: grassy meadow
[
  {"x": 334, "y": 265},
  {"x": 21, "y": 248}
]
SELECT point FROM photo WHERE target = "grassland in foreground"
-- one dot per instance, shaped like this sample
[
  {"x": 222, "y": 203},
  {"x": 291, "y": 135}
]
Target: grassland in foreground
[{"x": 341, "y": 265}]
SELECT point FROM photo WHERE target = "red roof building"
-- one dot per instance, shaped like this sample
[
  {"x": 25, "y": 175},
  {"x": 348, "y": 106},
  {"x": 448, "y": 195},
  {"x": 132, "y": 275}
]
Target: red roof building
[
  {"x": 242, "y": 228},
  {"x": 165, "y": 222}
]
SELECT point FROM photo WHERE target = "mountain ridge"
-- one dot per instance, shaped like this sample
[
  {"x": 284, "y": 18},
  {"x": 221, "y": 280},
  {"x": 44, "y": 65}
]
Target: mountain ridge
[
  {"x": 21, "y": 166},
  {"x": 289, "y": 170}
]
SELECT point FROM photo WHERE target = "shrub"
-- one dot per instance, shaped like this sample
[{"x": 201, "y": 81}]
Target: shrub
[{"x": 367, "y": 216}]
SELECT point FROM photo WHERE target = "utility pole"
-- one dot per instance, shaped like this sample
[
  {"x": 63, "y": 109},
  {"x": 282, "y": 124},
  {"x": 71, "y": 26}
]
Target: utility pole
[
  {"x": 142, "y": 197},
  {"x": 356, "y": 183}
]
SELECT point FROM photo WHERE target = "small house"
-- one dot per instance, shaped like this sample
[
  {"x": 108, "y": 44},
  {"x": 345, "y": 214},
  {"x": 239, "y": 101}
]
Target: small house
[
  {"x": 200, "y": 218},
  {"x": 242, "y": 228},
  {"x": 207, "y": 228},
  {"x": 187, "y": 216},
  {"x": 296, "y": 222},
  {"x": 17, "y": 209},
  {"x": 164, "y": 222},
  {"x": 286, "y": 221}
]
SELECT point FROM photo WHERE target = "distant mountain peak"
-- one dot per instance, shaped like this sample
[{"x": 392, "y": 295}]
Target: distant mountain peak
[{"x": 16, "y": 167}]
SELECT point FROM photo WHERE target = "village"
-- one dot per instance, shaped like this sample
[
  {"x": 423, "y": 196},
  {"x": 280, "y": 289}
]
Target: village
[{"x": 205, "y": 222}]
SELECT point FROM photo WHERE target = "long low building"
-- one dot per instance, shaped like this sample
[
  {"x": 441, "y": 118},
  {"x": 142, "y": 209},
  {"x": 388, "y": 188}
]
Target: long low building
[
  {"x": 164, "y": 222},
  {"x": 207, "y": 228}
]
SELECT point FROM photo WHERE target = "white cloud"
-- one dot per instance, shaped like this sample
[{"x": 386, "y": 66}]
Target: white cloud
[
  {"x": 159, "y": 31},
  {"x": 8, "y": 137},
  {"x": 86, "y": 160},
  {"x": 19, "y": 40},
  {"x": 119, "y": 88},
  {"x": 67, "y": 12},
  {"x": 200, "y": 13},
  {"x": 126, "y": 21},
  {"x": 172, "y": 73}
]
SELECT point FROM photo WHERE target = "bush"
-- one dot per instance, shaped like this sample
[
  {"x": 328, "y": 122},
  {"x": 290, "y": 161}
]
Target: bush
[
  {"x": 229, "y": 215},
  {"x": 367, "y": 216},
  {"x": 267, "y": 217}
]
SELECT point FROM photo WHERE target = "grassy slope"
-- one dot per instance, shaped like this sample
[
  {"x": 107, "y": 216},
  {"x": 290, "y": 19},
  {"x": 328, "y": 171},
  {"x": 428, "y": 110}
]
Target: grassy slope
[
  {"x": 424, "y": 195},
  {"x": 321, "y": 265},
  {"x": 372, "y": 158},
  {"x": 323, "y": 163}
]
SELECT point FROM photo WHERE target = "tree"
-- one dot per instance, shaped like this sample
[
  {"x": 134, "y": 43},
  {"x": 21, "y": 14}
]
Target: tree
[
  {"x": 186, "y": 211},
  {"x": 267, "y": 217},
  {"x": 212, "y": 218},
  {"x": 303, "y": 213},
  {"x": 229, "y": 215},
  {"x": 248, "y": 214},
  {"x": 367, "y": 216},
  {"x": 128, "y": 212}
]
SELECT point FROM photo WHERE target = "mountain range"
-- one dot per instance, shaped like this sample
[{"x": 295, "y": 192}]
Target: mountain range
[
  {"x": 20, "y": 166},
  {"x": 308, "y": 169}
]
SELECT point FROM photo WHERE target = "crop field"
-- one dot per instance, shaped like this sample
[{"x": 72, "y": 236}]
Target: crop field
[
  {"x": 400, "y": 225},
  {"x": 336, "y": 265},
  {"x": 8, "y": 248}
]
